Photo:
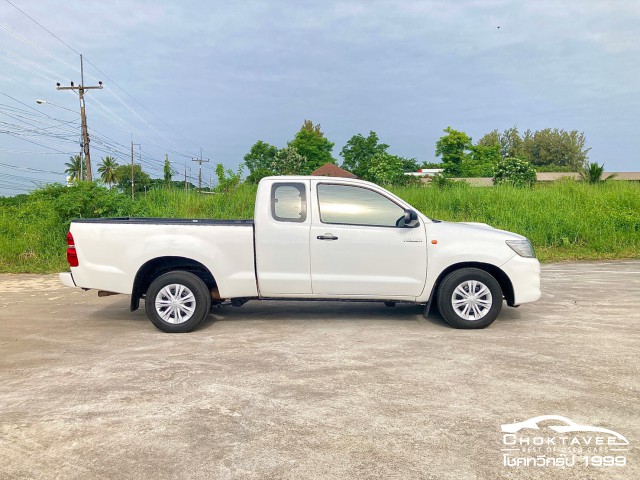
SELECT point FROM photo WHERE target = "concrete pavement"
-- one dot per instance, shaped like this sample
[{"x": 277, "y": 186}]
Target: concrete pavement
[{"x": 313, "y": 390}]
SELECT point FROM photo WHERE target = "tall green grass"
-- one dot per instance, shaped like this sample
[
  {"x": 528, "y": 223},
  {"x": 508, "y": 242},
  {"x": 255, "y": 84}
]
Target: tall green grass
[
  {"x": 180, "y": 204},
  {"x": 565, "y": 220}
]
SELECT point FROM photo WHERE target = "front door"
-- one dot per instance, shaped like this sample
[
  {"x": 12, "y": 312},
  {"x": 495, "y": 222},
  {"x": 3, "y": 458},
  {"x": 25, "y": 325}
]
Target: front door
[{"x": 359, "y": 246}]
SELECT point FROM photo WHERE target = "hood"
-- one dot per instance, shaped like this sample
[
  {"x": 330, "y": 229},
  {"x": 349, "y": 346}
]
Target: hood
[
  {"x": 473, "y": 229},
  {"x": 477, "y": 224}
]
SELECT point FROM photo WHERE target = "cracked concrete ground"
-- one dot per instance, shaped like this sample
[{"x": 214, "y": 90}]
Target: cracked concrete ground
[{"x": 311, "y": 390}]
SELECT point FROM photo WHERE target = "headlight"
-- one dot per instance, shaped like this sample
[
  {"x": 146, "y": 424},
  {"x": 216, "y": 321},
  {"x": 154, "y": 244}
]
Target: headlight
[{"x": 522, "y": 248}]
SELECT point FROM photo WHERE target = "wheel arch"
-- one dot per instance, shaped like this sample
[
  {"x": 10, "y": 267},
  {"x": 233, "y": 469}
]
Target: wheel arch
[
  {"x": 152, "y": 269},
  {"x": 496, "y": 272}
]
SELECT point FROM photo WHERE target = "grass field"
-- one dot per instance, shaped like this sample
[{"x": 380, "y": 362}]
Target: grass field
[{"x": 565, "y": 220}]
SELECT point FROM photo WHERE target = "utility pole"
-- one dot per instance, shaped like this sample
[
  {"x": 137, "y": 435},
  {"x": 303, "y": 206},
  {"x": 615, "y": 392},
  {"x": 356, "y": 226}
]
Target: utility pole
[
  {"x": 200, "y": 160},
  {"x": 132, "y": 144},
  {"x": 168, "y": 181},
  {"x": 131, "y": 170},
  {"x": 185, "y": 177},
  {"x": 83, "y": 117}
]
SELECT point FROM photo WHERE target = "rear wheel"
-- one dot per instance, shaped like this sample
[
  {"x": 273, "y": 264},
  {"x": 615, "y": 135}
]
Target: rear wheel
[
  {"x": 177, "y": 302},
  {"x": 469, "y": 298}
]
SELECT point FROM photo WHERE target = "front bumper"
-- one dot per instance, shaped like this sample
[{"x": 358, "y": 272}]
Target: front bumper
[
  {"x": 524, "y": 274},
  {"x": 67, "y": 279}
]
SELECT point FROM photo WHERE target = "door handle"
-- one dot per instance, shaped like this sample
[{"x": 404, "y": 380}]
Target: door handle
[{"x": 327, "y": 236}]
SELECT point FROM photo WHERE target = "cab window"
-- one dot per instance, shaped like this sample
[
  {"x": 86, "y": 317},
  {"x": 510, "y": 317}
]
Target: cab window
[
  {"x": 289, "y": 202},
  {"x": 350, "y": 205}
]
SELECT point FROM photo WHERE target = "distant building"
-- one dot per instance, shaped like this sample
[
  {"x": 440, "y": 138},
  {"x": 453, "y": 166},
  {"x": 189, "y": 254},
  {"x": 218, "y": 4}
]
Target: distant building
[
  {"x": 552, "y": 176},
  {"x": 426, "y": 172},
  {"x": 332, "y": 170},
  {"x": 628, "y": 176},
  {"x": 546, "y": 177}
]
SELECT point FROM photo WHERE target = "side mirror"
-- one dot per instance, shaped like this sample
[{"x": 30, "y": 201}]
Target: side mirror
[{"x": 410, "y": 219}]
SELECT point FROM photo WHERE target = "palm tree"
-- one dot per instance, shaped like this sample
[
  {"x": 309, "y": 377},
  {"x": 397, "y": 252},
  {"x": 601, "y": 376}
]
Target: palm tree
[
  {"x": 592, "y": 173},
  {"x": 76, "y": 168},
  {"x": 108, "y": 171}
]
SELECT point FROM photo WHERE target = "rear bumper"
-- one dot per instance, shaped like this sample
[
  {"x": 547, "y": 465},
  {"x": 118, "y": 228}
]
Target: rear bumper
[
  {"x": 67, "y": 279},
  {"x": 524, "y": 274}
]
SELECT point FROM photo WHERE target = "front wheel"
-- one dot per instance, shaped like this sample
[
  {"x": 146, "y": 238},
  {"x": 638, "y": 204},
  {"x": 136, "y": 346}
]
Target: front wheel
[
  {"x": 177, "y": 302},
  {"x": 469, "y": 298}
]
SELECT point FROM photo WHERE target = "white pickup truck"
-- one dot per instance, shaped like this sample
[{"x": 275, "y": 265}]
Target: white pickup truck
[{"x": 317, "y": 238}]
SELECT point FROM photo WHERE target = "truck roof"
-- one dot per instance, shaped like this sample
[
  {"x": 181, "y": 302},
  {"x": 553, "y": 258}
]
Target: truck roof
[{"x": 318, "y": 177}]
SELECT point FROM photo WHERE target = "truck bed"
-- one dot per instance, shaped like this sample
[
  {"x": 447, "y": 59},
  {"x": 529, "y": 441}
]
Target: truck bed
[
  {"x": 165, "y": 221},
  {"x": 111, "y": 251}
]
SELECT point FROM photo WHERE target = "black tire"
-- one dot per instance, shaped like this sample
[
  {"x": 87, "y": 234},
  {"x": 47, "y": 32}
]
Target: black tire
[
  {"x": 486, "y": 306},
  {"x": 195, "y": 300}
]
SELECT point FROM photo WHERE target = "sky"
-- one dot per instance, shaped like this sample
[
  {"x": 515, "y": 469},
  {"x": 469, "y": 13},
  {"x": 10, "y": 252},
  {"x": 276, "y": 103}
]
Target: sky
[{"x": 219, "y": 76}]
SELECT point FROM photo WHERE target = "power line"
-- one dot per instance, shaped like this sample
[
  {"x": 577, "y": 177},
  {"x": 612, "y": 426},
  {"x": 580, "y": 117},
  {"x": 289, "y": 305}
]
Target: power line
[
  {"x": 135, "y": 100},
  {"x": 39, "y": 112},
  {"x": 27, "y": 69},
  {"x": 111, "y": 146},
  {"x": 39, "y": 144},
  {"x": 35, "y": 64},
  {"x": 35, "y": 170},
  {"x": 43, "y": 132},
  {"x": 37, "y": 131},
  {"x": 40, "y": 129},
  {"x": 8, "y": 180},
  {"x": 144, "y": 120},
  {"x": 37, "y": 47},
  {"x": 36, "y": 122},
  {"x": 29, "y": 134},
  {"x": 16, "y": 178},
  {"x": 99, "y": 70},
  {"x": 41, "y": 26},
  {"x": 24, "y": 152},
  {"x": 117, "y": 119},
  {"x": 114, "y": 117},
  {"x": 20, "y": 114},
  {"x": 41, "y": 126}
]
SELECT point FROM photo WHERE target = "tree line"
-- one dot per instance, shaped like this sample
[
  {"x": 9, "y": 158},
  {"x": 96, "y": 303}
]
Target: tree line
[
  {"x": 554, "y": 150},
  {"x": 494, "y": 155},
  {"x": 547, "y": 150},
  {"x": 365, "y": 157},
  {"x": 119, "y": 175}
]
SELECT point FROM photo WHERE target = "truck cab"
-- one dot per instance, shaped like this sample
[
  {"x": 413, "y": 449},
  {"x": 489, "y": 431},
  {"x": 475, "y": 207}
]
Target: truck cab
[{"x": 327, "y": 237}]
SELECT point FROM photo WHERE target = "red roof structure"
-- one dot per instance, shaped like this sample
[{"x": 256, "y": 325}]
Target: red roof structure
[{"x": 332, "y": 170}]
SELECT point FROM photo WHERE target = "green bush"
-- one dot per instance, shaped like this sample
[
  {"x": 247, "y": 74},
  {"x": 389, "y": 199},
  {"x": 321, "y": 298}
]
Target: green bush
[
  {"x": 441, "y": 181},
  {"x": 566, "y": 220},
  {"x": 227, "y": 179},
  {"x": 514, "y": 172},
  {"x": 84, "y": 200}
]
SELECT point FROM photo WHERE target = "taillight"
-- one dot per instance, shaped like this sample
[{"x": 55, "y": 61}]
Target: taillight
[{"x": 72, "y": 256}]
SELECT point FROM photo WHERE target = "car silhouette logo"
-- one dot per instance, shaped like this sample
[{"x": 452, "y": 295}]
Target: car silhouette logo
[{"x": 568, "y": 427}]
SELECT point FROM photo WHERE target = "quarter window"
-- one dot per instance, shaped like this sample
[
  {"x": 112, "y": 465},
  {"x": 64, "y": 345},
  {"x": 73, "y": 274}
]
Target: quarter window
[
  {"x": 345, "y": 204},
  {"x": 289, "y": 202}
]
